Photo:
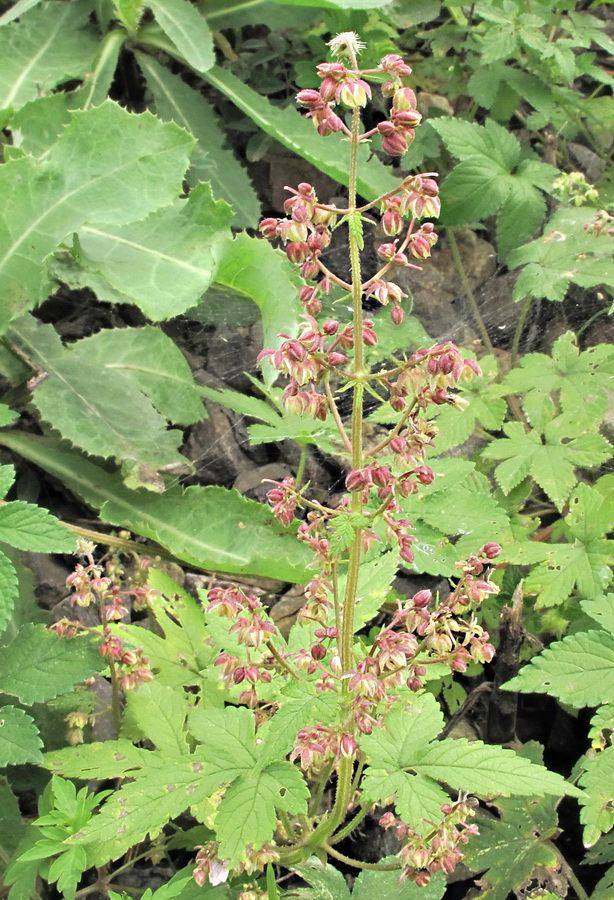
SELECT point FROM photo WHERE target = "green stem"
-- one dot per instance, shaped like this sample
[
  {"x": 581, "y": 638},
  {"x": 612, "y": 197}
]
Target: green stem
[
  {"x": 300, "y": 471},
  {"x": 351, "y": 825},
  {"x": 358, "y": 864},
  {"x": 473, "y": 303},
  {"x": 281, "y": 661},
  {"x": 590, "y": 321},
  {"x": 330, "y": 824},
  {"x": 286, "y": 823},
  {"x": 334, "y": 411},
  {"x": 570, "y": 874}
]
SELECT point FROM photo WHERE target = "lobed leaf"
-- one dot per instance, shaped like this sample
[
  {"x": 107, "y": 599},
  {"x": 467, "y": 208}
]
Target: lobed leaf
[
  {"x": 159, "y": 713},
  {"x": 101, "y": 760}
]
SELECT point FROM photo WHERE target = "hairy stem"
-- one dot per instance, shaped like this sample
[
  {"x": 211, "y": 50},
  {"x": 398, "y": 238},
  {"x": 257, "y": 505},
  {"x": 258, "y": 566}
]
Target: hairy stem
[{"x": 358, "y": 864}]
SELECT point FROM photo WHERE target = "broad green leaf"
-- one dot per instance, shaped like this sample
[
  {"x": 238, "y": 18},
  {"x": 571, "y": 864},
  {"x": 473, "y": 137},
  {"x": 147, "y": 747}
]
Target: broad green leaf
[
  {"x": 187, "y": 29},
  {"x": 472, "y": 191},
  {"x": 578, "y": 670},
  {"x": 129, "y": 12},
  {"x": 387, "y": 886},
  {"x": 19, "y": 738},
  {"x": 67, "y": 870},
  {"x": 17, "y": 10},
  {"x": 9, "y": 585},
  {"x": 143, "y": 807},
  {"x": 52, "y": 44},
  {"x": 38, "y": 665},
  {"x": 602, "y": 726},
  {"x": 211, "y": 527},
  {"x": 581, "y": 379},
  {"x": 247, "y": 812},
  {"x": 227, "y": 738},
  {"x": 163, "y": 263},
  {"x": 296, "y": 133},
  {"x": 406, "y": 732},
  {"x": 327, "y": 883},
  {"x": 111, "y": 394},
  {"x": 550, "y": 459},
  {"x": 211, "y": 161},
  {"x": 513, "y": 844},
  {"x": 520, "y": 216},
  {"x": 564, "y": 254},
  {"x": 601, "y": 610},
  {"x": 159, "y": 713},
  {"x": 108, "y": 165},
  {"x": 29, "y": 527},
  {"x": 417, "y": 800},
  {"x": 101, "y": 760},
  {"x": 37, "y": 125},
  {"x": 488, "y": 770},
  {"x": 585, "y": 567},
  {"x": 597, "y": 809},
  {"x": 491, "y": 142},
  {"x": 302, "y": 429},
  {"x": 242, "y": 263}
]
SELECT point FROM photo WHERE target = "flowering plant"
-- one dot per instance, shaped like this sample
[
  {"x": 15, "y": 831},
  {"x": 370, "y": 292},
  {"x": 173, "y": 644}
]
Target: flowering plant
[{"x": 283, "y": 745}]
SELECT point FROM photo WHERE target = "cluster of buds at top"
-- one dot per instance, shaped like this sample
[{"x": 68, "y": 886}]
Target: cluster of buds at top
[{"x": 440, "y": 851}]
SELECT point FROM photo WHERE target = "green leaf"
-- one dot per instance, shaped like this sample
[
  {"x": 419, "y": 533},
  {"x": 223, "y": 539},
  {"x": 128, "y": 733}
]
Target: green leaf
[
  {"x": 327, "y": 883},
  {"x": 159, "y": 713},
  {"x": 296, "y": 133},
  {"x": 520, "y": 216},
  {"x": 38, "y": 123},
  {"x": 111, "y": 394},
  {"x": 247, "y": 812},
  {"x": 601, "y": 610},
  {"x": 370, "y": 884},
  {"x": 187, "y": 29},
  {"x": 579, "y": 670},
  {"x": 242, "y": 263},
  {"x": 299, "y": 706},
  {"x": 474, "y": 190},
  {"x": 582, "y": 379},
  {"x": 144, "y": 806},
  {"x": 108, "y": 165},
  {"x": 488, "y": 770},
  {"x": 211, "y": 161},
  {"x": 211, "y": 527},
  {"x": 163, "y": 263},
  {"x": 550, "y": 459},
  {"x": 9, "y": 585},
  {"x": 38, "y": 665},
  {"x": 597, "y": 810},
  {"x": 29, "y": 527},
  {"x": 564, "y": 254},
  {"x": 12, "y": 826},
  {"x": 101, "y": 760},
  {"x": 19, "y": 738},
  {"x": 512, "y": 845},
  {"x": 243, "y": 404},
  {"x": 67, "y": 870},
  {"x": 17, "y": 10},
  {"x": 98, "y": 80},
  {"x": 417, "y": 800},
  {"x": 405, "y": 733},
  {"x": 53, "y": 44}
]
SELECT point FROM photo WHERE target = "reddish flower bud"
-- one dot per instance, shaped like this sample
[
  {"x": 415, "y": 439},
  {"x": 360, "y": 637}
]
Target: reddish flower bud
[
  {"x": 269, "y": 228},
  {"x": 394, "y": 64},
  {"x": 392, "y": 222},
  {"x": 353, "y": 93},
  {"x": 356, "y": 480},
  {"x": 337, "y": 359},
  {"x": 424, "y": 474},
  {"x": 491, "y": 550},
  {"x": 310, "y": 270},
  {"x": 409, "y": 118},
  {"x": 395, "y": 144},
  {"x": 309, "y": 97},
  {"x": 347, "y": 746},
  {"x": 318, "y": 651},
  {"x": 422, "y": 599},
  {"x": 297, "y": 252},
  {"x": 330, "y": 327},
  {"x": 404, "y": 99},
  {"x": 397, "y": 315}
]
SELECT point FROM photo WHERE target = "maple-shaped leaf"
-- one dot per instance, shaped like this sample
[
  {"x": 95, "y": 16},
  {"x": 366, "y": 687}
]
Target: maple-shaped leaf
[
  {"x": 582, "y": 564},
  {"x": 405, "y": 759},
  {"x": 565, "y": 253},
  {"x": 597, "y": 810},
  {"x": 247, "y": 814},
  {"x": 550, "y": 458},
  {"x": 582, "y": 380},
  {"x": 509, "y": 847},
  {"x": 578, "y": 670}
]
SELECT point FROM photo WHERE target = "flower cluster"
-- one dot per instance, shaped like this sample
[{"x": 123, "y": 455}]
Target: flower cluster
[{"x": 439, "y": 852}]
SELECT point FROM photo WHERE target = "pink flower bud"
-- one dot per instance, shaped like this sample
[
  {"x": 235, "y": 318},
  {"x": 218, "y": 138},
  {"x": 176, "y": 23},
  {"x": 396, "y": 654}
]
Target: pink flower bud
[
  {"x": 422, "y": 599},
  {"x": 491, "y": 550},
  {"x": 409, "y": 118},
  {"x": 318, "y": 651},
  {"x": 330, "y": 327},
  {"x": 310, "y": 270},
  {"x": 392, "y": 222},
  {"x": 347, "y": 746},
  {"x": 337, "y": 359},
  {"x": 307, "y": 293},
  {"x": 309, "y": 97},
  {"x": 394, "y": 64},
  {"x": 297, "y": 252},
  {"x": 395, "y": 144},
  {"x": 356, "y": 480},
  {"x": 397, "y": 315},
  {"x": 424, "y": 474},
  {"x": 354, "y": 93},
  {"x": 386, "y": 251}
]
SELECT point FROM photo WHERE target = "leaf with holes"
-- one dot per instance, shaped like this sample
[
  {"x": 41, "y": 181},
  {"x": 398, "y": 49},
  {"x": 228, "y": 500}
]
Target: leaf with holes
[{"x": 597, "y": 809}]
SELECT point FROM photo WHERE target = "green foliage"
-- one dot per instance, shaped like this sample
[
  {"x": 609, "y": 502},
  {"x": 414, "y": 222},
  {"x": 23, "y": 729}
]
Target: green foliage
[
  {"x": 515, "y": 842},
  {"x": 493, "y": 177},
  {"x": 327, "y": 883},
  {"x": 83, "y": 177}
]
